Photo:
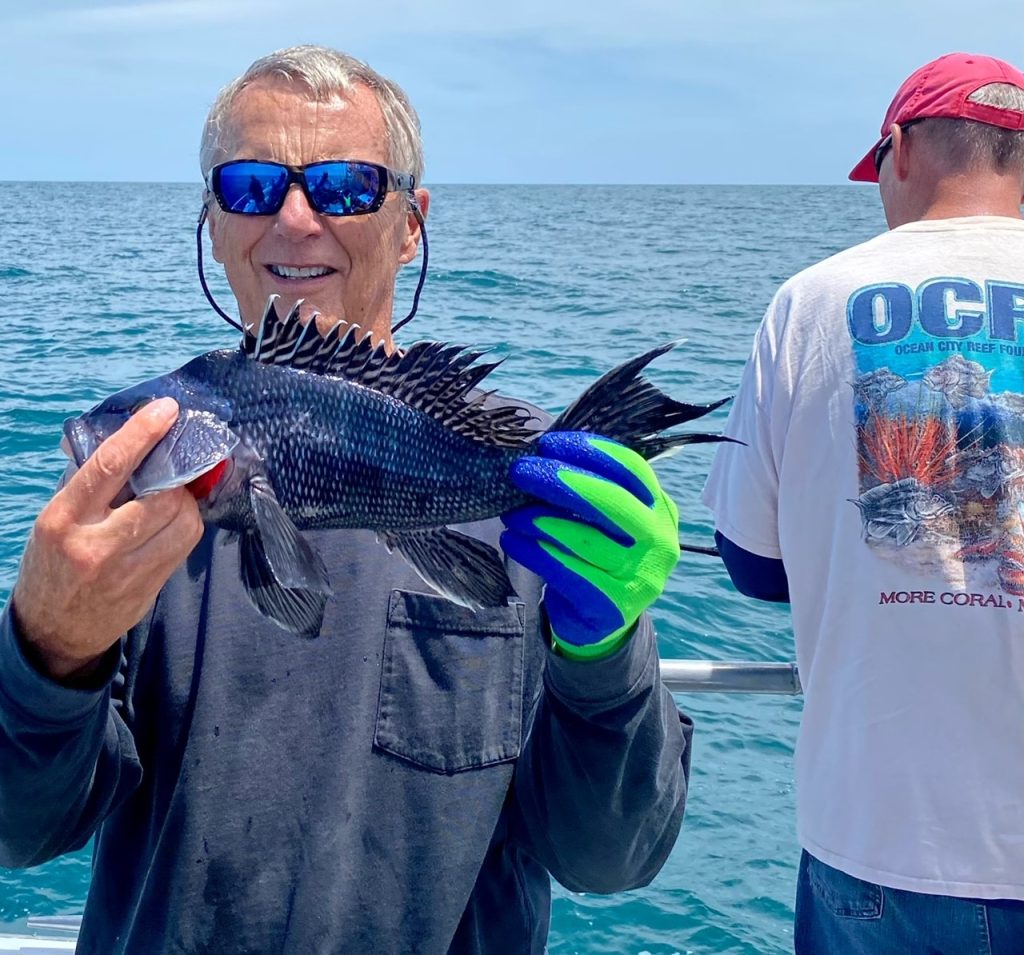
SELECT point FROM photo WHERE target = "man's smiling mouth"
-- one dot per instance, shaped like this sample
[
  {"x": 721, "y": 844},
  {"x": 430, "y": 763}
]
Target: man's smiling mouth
[{"x": 291, "y": 272}]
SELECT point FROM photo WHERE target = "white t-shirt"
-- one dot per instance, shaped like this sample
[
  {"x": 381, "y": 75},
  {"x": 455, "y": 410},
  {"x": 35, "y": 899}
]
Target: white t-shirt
[{"x": 883, "y": 414}]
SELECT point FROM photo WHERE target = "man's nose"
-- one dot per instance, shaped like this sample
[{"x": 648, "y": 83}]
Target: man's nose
[{"x": 296, "y": 216}]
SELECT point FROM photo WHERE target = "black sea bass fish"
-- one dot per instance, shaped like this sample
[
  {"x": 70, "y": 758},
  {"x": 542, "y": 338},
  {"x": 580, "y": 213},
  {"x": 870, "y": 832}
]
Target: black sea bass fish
[{"x": 294, "y": 430}]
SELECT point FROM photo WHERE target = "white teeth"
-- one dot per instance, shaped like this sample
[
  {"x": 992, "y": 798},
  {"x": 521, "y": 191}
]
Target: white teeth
[{"x": 287, "y": 272}]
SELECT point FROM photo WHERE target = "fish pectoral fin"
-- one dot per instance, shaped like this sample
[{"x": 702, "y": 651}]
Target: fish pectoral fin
[
  {"x": 297, "y": 610},
  {"x": 291, "y": 559},
  {"x": 463, "y": 569}
]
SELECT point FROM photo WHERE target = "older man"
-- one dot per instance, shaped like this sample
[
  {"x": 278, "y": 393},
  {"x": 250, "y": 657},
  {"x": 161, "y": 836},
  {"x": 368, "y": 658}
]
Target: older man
[
  {"x": 881, "y": 490},
  {"x": 406, "y": 782}
]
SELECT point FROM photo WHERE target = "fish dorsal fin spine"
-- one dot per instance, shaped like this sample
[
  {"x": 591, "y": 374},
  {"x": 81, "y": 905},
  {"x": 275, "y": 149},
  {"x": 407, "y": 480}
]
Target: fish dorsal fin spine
[{"x": 434, "y": 377}]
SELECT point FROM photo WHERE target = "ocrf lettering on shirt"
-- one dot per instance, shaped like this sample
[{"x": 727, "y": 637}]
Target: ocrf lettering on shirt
[{"x": 943, "y": 308}]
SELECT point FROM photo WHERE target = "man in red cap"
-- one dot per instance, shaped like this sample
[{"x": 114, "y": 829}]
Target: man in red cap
[{"x": 879, "y": 489}]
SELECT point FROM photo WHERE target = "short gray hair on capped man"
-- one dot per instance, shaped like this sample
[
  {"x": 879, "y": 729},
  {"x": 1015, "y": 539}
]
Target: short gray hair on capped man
[
  {"x": 967, "y": 143},
  {"x": 327, "y": 74}
]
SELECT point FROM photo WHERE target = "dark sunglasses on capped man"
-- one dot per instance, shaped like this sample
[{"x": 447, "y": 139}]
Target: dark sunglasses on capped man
[
  {"x": 336, "y": 187},
  {"x": 883, "y": 147}
]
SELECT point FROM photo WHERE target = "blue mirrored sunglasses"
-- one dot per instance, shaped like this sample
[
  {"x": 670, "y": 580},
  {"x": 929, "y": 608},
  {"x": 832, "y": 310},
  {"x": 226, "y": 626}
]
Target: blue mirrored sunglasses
[{"x": 336, "y": 187}]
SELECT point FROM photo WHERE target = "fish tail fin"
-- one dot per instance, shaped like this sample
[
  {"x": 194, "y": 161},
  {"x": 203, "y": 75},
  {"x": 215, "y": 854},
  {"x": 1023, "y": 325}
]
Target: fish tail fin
[{"x": 626, "y": 407}]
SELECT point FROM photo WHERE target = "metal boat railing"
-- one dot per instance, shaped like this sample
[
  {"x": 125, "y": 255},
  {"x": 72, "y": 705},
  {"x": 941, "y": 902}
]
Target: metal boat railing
[
  {"x": 55, "y": 923},
  {"x": 712, "y": 676}
]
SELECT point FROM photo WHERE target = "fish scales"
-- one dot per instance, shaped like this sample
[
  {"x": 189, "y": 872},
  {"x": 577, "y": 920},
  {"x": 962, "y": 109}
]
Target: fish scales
[{"x": 340, "y": 443}]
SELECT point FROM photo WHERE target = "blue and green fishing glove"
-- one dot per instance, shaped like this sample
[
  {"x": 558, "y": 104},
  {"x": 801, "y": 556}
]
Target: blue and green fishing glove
[{"x": 604, "y": 538}]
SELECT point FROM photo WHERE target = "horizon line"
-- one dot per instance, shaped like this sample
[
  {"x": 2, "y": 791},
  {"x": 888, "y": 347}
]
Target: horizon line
[{"x": 431, "y": 184}]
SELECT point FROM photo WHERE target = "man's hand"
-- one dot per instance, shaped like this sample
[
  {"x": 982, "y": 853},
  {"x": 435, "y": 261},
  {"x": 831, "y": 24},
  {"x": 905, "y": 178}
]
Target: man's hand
[
  {"x": 604, "y": 540},
  {"x": 90, "y": 571}
]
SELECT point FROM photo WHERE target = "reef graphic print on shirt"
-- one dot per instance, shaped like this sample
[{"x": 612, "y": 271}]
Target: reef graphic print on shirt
[{"x": 939, "y": 414}]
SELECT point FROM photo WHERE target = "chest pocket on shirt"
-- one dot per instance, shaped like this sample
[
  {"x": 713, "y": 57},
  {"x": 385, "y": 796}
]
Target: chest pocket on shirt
[{"x": 451, "y": 694}]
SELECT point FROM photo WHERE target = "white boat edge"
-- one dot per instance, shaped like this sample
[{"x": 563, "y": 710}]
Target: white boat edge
[
  {"x": 52, "y": 934},
  {"x": 36, "y": 944}
]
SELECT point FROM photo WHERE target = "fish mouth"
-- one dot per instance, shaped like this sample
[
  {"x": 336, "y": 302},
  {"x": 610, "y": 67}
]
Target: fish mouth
[{"x": 79, "y": 440}]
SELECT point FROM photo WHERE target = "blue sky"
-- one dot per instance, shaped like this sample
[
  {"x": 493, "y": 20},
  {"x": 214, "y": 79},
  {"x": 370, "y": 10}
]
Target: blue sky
[{"x": 661, "y": 91}]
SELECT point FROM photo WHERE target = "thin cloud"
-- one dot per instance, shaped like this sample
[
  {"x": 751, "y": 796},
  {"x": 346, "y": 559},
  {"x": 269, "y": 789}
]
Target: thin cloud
[
  {"x": 571, "y": 25},
  {"x": 160, "y": 14}
]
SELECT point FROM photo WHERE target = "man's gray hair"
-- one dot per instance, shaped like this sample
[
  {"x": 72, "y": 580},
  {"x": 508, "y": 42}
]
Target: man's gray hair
[
  {"x": 327, "y": 74},
  {"x": 967, "y": 143}
]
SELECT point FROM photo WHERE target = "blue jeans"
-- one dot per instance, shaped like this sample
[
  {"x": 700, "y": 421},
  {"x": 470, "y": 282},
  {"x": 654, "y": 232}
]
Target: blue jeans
[{"x": 837, "y": 914}]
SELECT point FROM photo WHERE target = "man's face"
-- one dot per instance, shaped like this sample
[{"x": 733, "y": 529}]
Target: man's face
[{"x": 355, "y": 259}]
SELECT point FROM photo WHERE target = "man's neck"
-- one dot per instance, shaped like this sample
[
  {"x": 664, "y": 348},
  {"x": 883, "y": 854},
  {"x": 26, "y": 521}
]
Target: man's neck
[{"x": 958, "y": 196}]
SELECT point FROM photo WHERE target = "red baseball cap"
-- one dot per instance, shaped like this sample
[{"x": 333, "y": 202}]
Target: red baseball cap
[{"x": 941, "y": 88}]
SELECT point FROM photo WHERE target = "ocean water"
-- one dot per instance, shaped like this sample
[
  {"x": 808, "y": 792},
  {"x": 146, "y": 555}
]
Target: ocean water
[{"x": 98, "y": 290}]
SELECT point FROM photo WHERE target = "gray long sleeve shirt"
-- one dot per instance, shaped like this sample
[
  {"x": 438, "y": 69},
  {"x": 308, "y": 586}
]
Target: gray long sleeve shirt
[{"x": 405, "y": 783}]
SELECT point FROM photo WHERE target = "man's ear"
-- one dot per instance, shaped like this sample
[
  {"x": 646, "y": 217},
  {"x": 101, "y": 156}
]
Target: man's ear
[
  {"x": 901, "y": 149},
  {"x": 211, "y": 224},
  {"x": 412, "y": 227}
]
